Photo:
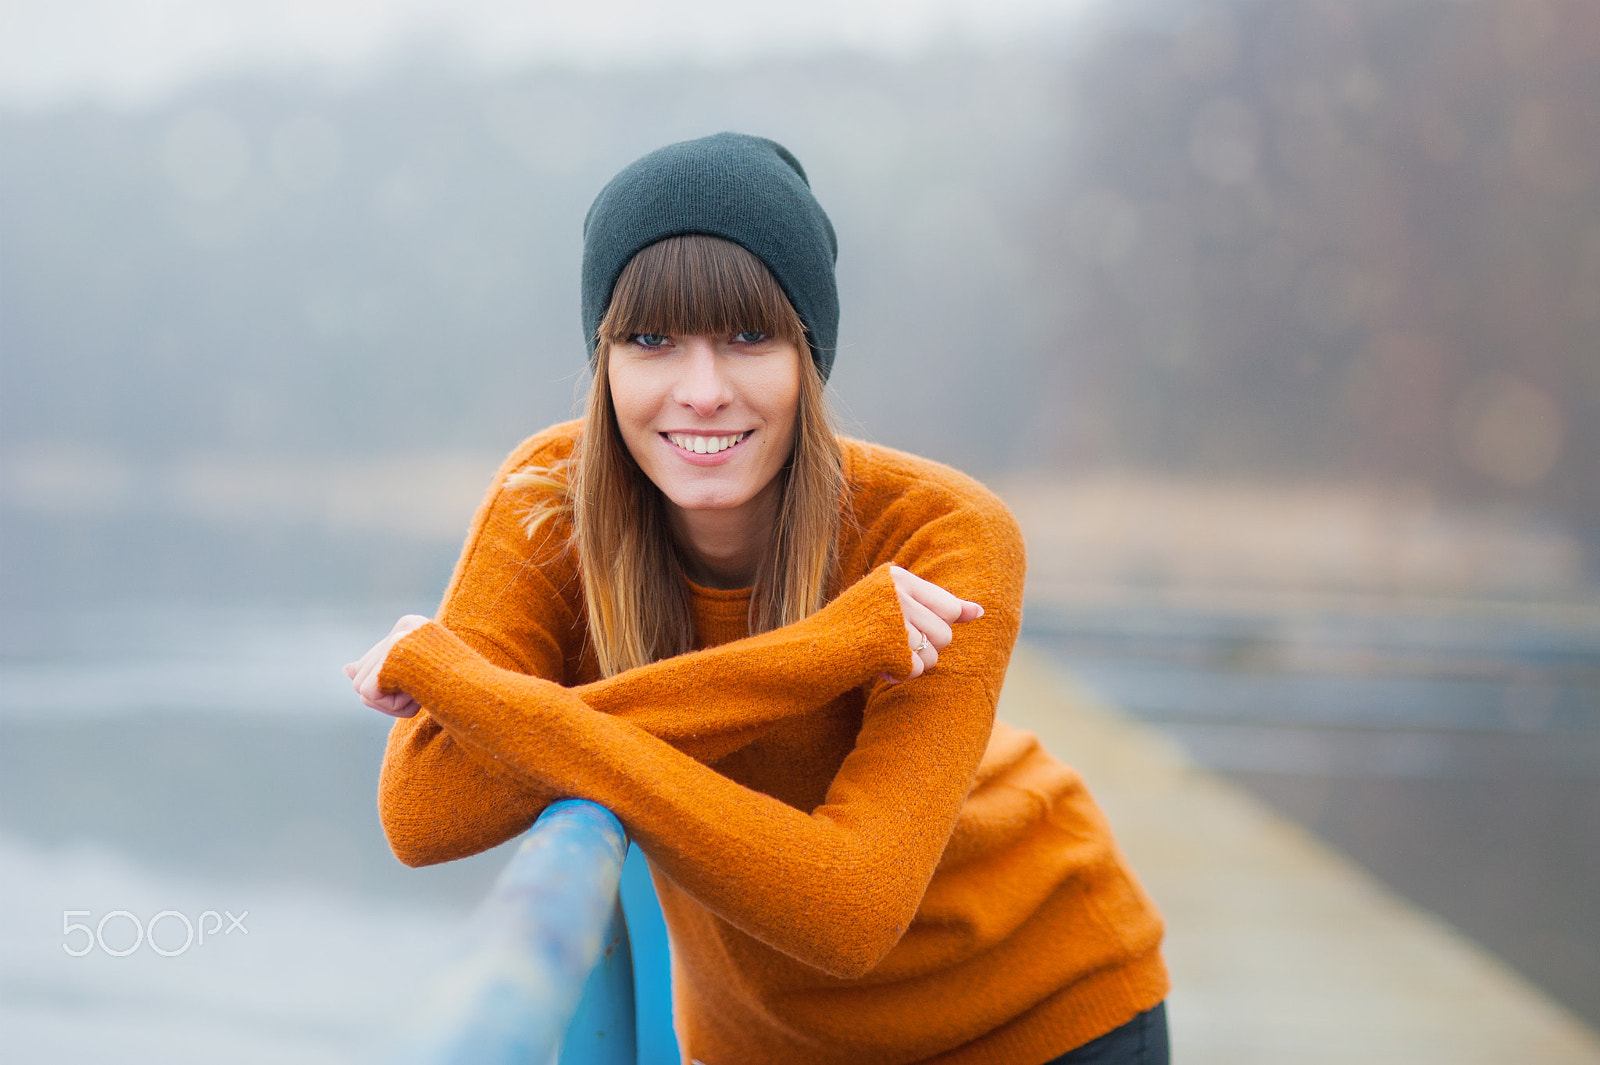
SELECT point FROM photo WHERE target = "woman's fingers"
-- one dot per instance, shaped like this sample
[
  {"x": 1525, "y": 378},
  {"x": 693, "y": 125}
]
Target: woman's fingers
[
  {"x": 395, "y": 704},
  {"x": 407, "y": 623},
  {"x": 925, "y": 621},
  {"x": 929, "y": 612},
  {"x": 367, "y": 684},
  {"x": 399, "y": 704},
  {"x": 364, "y": 672},
  {"x": 919, "y": 647},
  {"x": 366, "y": 679},
  {"x": 949, "y": 607}
]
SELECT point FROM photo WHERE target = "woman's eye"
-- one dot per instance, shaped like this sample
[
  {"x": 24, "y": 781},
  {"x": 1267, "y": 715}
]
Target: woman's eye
[
  {"x": 649, "y": 340},
  {"x": 750, "y": 336}
]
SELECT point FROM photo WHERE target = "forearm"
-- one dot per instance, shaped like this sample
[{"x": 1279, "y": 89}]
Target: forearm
[
  {"x": 835, "y": 888},
  {"x": 711, "y": 703},
  {"x": 440, "y": 800}
]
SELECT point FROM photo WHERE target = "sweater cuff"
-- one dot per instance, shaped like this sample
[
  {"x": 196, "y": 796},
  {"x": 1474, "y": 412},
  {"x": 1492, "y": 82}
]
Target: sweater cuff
[
  {"x": 426, "y": 658},
  {"x": 432, "y": 658},
  {"x": 880, "y": 624}
]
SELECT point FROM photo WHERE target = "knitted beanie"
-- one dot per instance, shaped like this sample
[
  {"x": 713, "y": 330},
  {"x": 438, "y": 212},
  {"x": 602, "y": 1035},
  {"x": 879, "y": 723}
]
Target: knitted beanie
[{"x": 746, "y": 189}]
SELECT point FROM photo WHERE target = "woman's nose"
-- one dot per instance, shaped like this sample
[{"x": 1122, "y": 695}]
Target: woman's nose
[{"x": 703, "y": 387}]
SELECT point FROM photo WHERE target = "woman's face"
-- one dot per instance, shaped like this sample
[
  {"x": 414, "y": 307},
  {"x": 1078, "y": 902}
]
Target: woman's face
[{"x": 710, "y": 419}]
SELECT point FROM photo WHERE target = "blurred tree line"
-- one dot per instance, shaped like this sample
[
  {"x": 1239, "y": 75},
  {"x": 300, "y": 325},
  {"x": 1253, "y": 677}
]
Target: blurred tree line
[
  {"x": 1330, "y": 240},
  {"x": 1334, "y": 237}
]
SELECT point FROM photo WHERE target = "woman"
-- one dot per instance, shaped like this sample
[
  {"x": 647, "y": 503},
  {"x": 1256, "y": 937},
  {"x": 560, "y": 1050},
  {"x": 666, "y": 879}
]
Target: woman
[{"x": 762, "y": 647}]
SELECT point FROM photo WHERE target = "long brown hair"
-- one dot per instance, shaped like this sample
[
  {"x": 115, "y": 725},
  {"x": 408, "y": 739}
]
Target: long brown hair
[{"x": 633, "y": 579}]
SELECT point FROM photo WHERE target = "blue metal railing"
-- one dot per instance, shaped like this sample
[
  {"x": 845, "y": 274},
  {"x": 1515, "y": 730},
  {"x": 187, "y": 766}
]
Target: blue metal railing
[{"x": 547, "y": 971}]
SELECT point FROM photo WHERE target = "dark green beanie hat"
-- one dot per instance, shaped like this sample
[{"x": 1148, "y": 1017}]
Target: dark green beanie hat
[{"x": 746, "y": 189}]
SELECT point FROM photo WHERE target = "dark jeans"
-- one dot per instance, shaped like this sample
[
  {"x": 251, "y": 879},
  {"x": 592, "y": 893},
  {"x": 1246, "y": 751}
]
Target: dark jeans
[{"x": 1142, "y": 1041}]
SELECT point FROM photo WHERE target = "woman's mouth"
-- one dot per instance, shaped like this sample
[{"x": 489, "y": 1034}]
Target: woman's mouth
[{"x": 705, "y": 445}]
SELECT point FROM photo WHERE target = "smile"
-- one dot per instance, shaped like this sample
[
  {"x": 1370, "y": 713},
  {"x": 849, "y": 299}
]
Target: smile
[{"x": 705, "y": 445}]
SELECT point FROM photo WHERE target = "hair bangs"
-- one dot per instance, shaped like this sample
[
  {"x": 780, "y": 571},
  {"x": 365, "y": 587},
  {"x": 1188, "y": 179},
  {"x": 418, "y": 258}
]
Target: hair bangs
[{"x": 698, "y": 285}]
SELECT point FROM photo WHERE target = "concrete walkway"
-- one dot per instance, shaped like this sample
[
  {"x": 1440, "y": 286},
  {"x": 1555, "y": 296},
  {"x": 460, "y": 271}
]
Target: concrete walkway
[{"x": 1281, "y": 950}]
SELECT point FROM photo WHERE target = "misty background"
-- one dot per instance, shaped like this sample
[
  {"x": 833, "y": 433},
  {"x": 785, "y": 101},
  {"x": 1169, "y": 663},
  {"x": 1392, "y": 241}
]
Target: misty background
[{"x": 1277, "y": 324}]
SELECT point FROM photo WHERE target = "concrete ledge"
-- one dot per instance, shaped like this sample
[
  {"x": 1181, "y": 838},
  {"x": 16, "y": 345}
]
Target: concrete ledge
[{"x": 1280, "y": 949}]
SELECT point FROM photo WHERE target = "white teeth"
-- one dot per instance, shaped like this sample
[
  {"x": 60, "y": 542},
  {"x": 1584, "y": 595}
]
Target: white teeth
[{"x": 705, "y": 445}]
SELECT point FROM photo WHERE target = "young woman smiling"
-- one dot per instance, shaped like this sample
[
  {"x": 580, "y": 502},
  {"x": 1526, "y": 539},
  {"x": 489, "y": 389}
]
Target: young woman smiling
[{"x": 761, "y": 645}]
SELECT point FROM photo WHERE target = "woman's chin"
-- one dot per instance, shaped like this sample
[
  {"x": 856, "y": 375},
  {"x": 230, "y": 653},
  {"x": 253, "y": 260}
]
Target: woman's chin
[{"x": 692, "y": 500}]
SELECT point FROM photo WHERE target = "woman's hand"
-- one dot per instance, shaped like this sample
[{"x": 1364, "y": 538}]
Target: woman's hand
[
  {"x": 363, "y": 672},
  {"x": 929, "y": 612}
]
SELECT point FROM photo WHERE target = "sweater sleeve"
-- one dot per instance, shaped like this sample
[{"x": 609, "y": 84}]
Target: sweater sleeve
[
  {"x": 835, "y": 888},
  {"x": 689, "y": 702},
  {"x": 440, "y": 799}
]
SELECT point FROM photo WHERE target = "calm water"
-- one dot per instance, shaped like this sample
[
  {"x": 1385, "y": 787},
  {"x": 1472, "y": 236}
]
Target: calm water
[{"x": 197, "y": 760}]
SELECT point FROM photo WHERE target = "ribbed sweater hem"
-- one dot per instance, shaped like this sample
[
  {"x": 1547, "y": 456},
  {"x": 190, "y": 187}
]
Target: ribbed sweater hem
[{"x": 1071, "y": 1017}]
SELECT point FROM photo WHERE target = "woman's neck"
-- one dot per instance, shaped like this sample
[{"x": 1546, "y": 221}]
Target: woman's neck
[{"x": 724, "y": 548}]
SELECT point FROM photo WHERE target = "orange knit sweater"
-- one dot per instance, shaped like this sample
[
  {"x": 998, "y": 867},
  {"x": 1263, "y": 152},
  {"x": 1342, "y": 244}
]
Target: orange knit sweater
[{"x": 851, "y": 871}]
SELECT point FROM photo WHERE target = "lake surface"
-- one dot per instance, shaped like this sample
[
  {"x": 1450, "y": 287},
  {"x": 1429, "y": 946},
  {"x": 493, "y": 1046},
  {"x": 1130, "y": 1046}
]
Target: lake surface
[{"x": 190, "y": 760}]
